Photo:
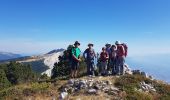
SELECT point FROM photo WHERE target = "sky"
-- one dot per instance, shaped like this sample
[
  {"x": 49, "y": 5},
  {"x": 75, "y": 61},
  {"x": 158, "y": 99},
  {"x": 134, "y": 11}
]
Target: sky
[{"x": 39, "y": 26}]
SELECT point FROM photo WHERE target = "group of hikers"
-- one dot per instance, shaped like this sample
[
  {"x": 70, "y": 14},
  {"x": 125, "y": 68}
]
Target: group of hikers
[{"x": 111, "y": 59}]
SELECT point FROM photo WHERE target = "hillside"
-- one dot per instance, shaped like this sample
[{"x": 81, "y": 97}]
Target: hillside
[
  {"x": 128, "y": 87},
  {"x": 18, "y": 81},
  {"x": 8, "y": 55},
  {"x": 40, "y": 63}
]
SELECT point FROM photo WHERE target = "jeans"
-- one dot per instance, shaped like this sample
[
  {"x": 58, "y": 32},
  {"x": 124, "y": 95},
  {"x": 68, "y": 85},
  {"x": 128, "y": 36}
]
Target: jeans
[
  {"x": 120, "y": 65},
  {"x": 104, "y": 67},
  {"x": 113, "y": 65},
  {"x": 90, "y": 67}
]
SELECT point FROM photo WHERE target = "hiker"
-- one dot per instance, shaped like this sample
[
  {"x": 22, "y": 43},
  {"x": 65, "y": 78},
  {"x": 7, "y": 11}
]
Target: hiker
[
  {"x": 104, "y": 56},
  {"x": 113, "y": 59},
  {"x": 89, "y": 55},
  {"x": 120, "y": 58},
  {"x": 75, "y": 59},
  {"x": 108, "y": 50}
]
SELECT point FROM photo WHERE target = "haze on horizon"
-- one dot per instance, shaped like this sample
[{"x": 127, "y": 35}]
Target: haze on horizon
[{"x": 38, "y": 26}]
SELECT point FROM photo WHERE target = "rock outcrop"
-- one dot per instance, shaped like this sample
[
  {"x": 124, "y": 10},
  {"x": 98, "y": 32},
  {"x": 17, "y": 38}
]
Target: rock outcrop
[{"x": 89, "y": 86}]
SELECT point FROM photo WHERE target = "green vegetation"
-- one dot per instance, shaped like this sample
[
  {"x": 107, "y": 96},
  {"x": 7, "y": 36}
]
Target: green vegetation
[
  {"x": 63, "y": 67},
  {"x": 19, "y": 92},
  {"x": 15, "y": 73},
  {"x": 4, "y": 82},
  {"x": 130, "y": 84}
]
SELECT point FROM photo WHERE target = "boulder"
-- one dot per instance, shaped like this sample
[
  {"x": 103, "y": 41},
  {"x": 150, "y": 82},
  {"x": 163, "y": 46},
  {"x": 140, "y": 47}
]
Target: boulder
[
  {"x": 127, "y": 70},
  {"x": 147, "y": 87}
]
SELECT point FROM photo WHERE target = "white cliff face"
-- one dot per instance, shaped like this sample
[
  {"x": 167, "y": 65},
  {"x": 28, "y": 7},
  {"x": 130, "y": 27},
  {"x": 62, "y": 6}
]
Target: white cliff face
[{"x": 50, "y": 60}]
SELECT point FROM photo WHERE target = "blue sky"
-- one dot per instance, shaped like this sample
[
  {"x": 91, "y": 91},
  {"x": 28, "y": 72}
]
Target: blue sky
[{"x": 38, "y": 26}]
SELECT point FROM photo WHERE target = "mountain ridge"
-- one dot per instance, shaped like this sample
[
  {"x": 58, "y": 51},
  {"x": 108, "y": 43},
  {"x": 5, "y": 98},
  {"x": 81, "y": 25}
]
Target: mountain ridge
[{"x": 8, "y": 55}]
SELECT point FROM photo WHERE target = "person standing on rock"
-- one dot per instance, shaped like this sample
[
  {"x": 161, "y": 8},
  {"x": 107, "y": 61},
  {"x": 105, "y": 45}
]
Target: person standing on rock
[
  {"x": 75, "y": 59},
  {"x": 120, "y": 58},
  {"x": 113, "y": 59},
  {"x": 104, "y": 56},
  {"x": 89, "y": 55}
]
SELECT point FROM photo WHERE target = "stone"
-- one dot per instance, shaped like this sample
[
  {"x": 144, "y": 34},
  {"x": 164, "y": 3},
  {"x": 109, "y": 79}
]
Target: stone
[
  {"x": 109, "y": 82},
  {"x": 71, "y": 81},
  {"x": 92, "y": 91},
  {"x": 90, "y": 84},
  {"x": 112, "y": 93},
  {"x": 97, "y": 86},
  {"x": 114, "y": 88},
  {"x": 127, "y": 70},
  {"x": 147, "y": 87},
  {"x": 106, "y": 89},
  {"x": 63, "y": 95}
]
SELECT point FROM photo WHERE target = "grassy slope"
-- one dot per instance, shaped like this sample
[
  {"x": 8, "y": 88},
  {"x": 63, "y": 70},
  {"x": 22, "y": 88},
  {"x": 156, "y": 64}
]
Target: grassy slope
[{"x": 47, "y": 91}]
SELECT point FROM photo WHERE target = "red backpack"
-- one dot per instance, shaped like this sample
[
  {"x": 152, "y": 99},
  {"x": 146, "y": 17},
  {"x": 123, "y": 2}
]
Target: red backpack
[{"x": 126, "y": 49}]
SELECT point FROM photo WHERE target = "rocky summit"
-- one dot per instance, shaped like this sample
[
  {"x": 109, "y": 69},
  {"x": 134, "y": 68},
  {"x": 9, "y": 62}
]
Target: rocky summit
[{"x": 90, "y": 86}]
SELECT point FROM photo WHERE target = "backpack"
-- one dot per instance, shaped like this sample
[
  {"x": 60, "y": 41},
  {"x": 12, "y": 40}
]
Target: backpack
[
  {"x": 90, "y": 54},
  {"x": 126, "y": 49},
  {"x": 69, "y": 50},
  {"x": 120, "y": 50}
]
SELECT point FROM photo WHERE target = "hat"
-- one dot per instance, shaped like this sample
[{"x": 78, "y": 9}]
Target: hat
[
  {"x": 76, "y": 43},
  {"x": 108, "y": 44},
  {"x": 90, "y": 44},
  {"x": 117, "y": 42}
]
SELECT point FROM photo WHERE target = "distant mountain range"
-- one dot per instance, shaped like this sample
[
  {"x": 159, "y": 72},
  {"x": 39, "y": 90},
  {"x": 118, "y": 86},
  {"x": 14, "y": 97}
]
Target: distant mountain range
[
  {"x": 8, "y": 55},
  {"x": 40, "y": 63}
]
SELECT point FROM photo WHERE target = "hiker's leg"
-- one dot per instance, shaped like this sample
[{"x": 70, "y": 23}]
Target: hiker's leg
[
  {"x": 88, "y": 68},
  {"x": 102, "y": 67},
  {"x": 114, "y": 65},
  {"x": 92, "y": 68},
  {"x": 72, "y": 74},
  {"x": 72, "y": 69},
  {"x": 122, "y": 65},
  {"x": 76, "y": 69},
  {"x": 75, "y": 74},
  {"x": 105, "y": 67},
  {"x": 99, "y": 68},
  {"x": 118, "y": 65}
]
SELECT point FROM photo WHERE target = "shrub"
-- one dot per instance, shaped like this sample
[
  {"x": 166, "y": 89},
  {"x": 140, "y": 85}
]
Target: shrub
[{"x": 4, "y": 83}]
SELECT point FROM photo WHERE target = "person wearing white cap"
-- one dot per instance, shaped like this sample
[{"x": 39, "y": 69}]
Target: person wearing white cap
[{"x": 120, "y": 58}]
